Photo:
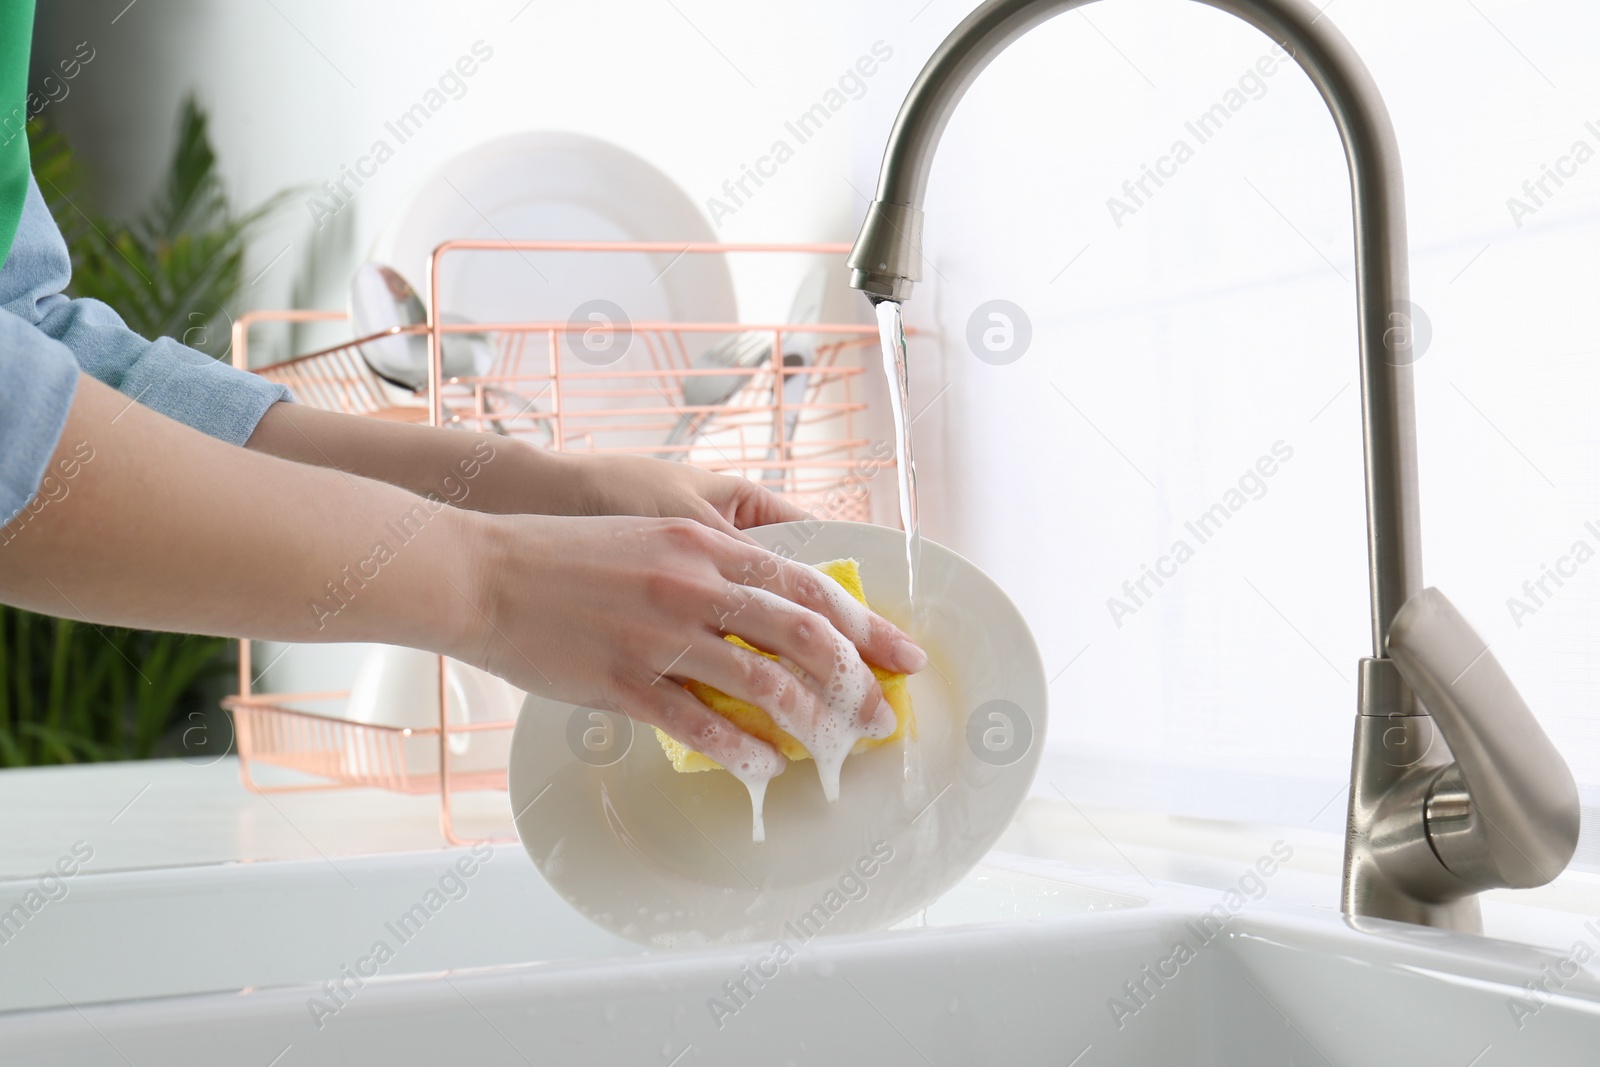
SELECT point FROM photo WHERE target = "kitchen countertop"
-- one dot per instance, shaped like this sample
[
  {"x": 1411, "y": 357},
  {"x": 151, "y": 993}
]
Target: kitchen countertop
[{"x": 173, "y": 813}]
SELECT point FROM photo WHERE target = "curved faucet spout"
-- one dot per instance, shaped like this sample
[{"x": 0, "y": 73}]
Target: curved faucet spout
[
  {"x": 1424, "y": 833},
  {"x": 885, "y": 261}
]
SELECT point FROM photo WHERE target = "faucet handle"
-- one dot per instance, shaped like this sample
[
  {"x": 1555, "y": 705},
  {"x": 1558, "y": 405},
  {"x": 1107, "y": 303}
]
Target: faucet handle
[{"x": 1505, "y": 813}]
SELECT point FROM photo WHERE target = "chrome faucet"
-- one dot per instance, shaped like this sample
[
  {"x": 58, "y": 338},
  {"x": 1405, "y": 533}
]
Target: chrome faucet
[{"x": 1434, "y": 818}]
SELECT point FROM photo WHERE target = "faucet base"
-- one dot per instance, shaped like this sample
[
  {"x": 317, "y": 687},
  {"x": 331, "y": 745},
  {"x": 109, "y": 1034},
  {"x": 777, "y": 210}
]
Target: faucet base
[{"x": 1397, "y": 759}]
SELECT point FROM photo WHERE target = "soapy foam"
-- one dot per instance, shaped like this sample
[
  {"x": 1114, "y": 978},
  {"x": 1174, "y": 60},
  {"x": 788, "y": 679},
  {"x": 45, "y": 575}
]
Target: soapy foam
[
  {"x": 758, "y": 800},
  {"x": 830, "y": 732},
  {"x": 755, "y": 773},
  {"x": 855, "y": 621},
  {"x": 755, "y": 765}
]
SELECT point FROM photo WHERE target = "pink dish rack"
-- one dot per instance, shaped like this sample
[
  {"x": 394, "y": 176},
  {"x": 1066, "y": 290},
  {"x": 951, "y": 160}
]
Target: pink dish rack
[{"x": 810, "y": 449}]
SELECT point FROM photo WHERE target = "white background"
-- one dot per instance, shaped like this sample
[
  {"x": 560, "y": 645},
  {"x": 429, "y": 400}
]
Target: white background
[{"x": 1170, "y": 355}]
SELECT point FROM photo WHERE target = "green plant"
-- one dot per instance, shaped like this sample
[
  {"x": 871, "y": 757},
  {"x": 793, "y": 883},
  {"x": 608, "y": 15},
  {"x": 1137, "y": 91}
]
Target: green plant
[
  {"x": 177, "y": 268},
  {"x": 71, "y": 691}
]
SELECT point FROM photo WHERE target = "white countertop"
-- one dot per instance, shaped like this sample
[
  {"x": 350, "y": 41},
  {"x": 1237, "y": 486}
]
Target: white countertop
[{"x": 172, "y": 813}]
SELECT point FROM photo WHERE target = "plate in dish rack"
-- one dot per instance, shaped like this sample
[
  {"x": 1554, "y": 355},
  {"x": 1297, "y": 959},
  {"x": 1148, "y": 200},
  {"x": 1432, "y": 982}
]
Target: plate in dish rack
[
  {"x": 667, "y": 859},
  {"x": 555, "y": 186}
]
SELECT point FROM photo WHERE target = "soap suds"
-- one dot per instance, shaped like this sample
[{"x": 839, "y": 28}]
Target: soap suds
[
  {"x": 855, "y": 620},
  {"x": 755, "y": 773},
  {"x": 829, "y": 721}
]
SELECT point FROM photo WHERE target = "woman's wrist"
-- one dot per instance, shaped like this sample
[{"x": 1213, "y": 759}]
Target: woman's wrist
[
  {"x": 470, "y": 470},
  {"x": 519, "y": 478},
  {"x": 467, "y": 567}
]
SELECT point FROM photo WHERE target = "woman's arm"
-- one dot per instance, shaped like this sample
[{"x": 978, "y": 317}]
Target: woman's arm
[
  {"x": 521, "y": 478},
  {"x": 145, "y": 522},
  {"x": 142, "y": 521}
]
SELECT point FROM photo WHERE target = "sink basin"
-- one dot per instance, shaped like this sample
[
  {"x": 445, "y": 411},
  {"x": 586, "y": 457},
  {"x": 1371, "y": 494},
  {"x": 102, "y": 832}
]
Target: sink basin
[{"x": 1022, "y": 963}]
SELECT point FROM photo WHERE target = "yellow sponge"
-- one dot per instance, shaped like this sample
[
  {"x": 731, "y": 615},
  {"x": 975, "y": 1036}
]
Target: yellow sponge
[{"x": 752, "y": 720}]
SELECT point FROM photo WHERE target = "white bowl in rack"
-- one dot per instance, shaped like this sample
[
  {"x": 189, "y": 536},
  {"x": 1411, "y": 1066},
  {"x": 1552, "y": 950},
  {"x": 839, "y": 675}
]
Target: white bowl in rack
[{"x": 398, "y": 687}]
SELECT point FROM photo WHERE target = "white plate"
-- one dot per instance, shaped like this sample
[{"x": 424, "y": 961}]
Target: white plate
[
  {"x": 666, "y": 858},
  {"x": 565, "y": 186}
]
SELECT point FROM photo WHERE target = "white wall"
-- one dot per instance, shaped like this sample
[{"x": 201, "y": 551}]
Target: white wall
[
  {"x": 296, "y": 89},
  {"x": 1173, "y": 352}
]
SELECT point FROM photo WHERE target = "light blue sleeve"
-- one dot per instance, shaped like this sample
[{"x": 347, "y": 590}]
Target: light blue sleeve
[
  {"x": 38, "y": 378},
  {"x": 46, "y": 337},
  {"x": 162, "y": 374}
]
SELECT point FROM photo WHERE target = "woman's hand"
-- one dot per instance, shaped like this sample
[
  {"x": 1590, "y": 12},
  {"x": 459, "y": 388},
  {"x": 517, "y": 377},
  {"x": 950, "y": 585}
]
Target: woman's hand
[
  {"x": 662, "y": 489},
  {"x": 624, "y": 610}
]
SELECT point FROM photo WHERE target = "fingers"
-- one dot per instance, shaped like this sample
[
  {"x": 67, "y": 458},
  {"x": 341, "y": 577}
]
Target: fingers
[
  {"x": 878, "y": 640},
  {"x": 677, "y": 713},
  {"x": 799, "y": 636},
  {"x": 745, "y": 503},
  {"x": 710, "y": 516},
  {"x": 759, "y": 506},
  {"x": 807, "y": 704},
  {"x": 754, "y": 570}
]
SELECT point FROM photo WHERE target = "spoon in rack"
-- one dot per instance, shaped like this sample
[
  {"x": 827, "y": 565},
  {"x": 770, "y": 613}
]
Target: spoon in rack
[
  {"x": 381, "y": 299},
  {"x": 738, "y": 352},
  {"x": 799, "y": 351}
]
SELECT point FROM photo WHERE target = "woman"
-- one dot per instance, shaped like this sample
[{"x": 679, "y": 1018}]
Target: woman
[{"x": 181, "y": 494}]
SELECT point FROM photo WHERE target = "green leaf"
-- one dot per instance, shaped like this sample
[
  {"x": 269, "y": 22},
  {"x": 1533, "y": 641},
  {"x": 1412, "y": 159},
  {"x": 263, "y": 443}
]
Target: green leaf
[
  {"x": 177, "y": 270},
  {"x": 192, "y": 199}
]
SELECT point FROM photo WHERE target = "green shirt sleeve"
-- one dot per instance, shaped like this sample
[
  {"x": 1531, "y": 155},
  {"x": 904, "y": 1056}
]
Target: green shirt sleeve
[{"x": 16, "y": 42}]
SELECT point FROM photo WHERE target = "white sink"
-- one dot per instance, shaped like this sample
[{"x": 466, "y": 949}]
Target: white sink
[{"x": 1023, "y": 963}]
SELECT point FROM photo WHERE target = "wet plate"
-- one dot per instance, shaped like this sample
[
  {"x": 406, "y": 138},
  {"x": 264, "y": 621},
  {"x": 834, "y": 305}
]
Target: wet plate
[{"x": 667, "y": 859}]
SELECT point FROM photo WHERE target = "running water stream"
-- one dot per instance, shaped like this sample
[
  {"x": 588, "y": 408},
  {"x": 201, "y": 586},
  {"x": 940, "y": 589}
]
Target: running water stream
[
  {"x": 891, "y": 331},
  {"x": 838, "y": 728}
]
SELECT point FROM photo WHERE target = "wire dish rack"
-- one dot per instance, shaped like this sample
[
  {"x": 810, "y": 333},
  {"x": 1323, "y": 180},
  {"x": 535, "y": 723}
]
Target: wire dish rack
[{"x": 595, "y": 383}]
